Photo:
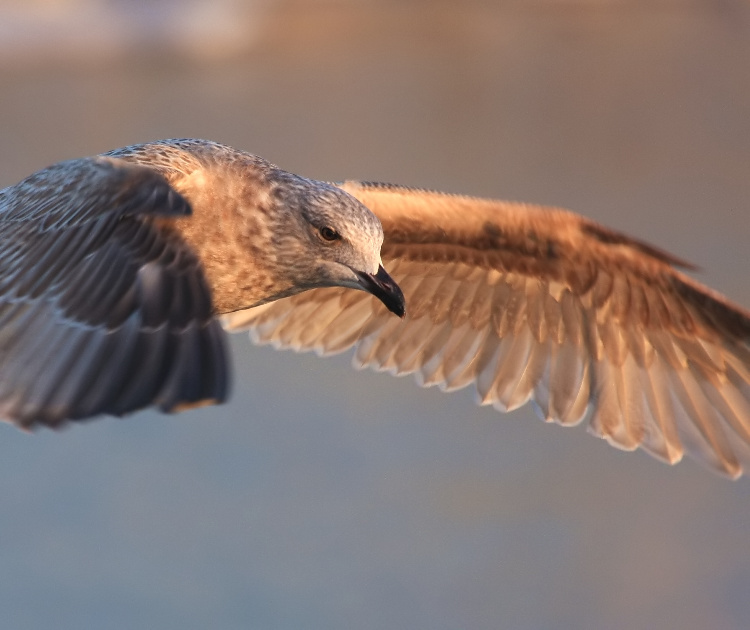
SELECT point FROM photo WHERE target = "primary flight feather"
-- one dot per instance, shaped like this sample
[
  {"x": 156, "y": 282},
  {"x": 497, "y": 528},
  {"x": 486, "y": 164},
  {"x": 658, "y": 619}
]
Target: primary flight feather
[{"x": 114, "y": 269}]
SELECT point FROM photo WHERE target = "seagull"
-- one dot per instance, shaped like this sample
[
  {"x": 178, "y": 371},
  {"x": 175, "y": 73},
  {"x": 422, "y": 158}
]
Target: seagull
[{"x": 120, "y": 273}]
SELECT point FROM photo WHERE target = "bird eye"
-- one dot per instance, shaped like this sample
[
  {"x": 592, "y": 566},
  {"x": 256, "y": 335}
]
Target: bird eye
[{"x": 329, "y": 234}]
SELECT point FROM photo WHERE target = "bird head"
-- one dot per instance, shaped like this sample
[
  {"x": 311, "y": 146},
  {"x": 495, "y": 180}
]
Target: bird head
[{"x": 327, "y": 238}]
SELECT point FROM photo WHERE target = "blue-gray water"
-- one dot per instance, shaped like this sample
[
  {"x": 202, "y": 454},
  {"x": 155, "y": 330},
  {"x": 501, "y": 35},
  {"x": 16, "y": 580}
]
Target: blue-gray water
[{"x": 325, "y": 498}]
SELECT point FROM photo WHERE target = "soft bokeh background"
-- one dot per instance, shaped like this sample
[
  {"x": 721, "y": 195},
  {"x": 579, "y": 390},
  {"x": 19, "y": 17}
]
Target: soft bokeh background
[{"x": 325, "y": 498}]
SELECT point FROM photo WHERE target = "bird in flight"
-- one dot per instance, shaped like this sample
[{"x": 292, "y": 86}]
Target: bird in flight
[{"x": 119, "y": 274}]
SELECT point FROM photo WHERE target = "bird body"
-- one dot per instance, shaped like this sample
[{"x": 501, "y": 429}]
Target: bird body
[{"x": 114, "y": 271}]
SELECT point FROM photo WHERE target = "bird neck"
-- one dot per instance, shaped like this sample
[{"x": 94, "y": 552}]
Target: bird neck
[{"x": 230, "y": 231}]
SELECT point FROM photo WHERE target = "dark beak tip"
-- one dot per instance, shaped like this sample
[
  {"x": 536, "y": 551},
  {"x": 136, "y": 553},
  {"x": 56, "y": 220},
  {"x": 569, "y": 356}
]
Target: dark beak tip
[
  {"x": 397, "y": 309},
  {"x": 383, "y": 287},
  {"x": 400, "y": 310}
]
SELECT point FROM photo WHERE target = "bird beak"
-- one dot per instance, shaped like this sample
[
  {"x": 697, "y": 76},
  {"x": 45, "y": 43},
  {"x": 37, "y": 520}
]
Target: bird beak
[{"x": 383, "y": 287}]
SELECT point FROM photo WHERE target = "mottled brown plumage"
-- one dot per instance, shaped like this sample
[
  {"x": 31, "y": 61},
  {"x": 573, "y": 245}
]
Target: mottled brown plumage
[
  {"x": 114, "y": 269},
  {"x": 530, "y": 303}
]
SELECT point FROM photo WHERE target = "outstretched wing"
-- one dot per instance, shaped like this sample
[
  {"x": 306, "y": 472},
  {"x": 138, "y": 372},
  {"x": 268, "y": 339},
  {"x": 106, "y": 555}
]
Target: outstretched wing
[
  {"x": 101, "y": 310},
  {"x": 529, "y": 303}
]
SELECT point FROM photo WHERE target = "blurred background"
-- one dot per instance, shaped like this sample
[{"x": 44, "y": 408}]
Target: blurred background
[{"x": 325, "y": 498}]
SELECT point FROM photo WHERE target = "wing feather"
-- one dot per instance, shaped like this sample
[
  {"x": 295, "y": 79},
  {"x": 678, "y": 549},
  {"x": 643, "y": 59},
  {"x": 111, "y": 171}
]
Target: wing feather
[
  {"x": 533, "y": 303},
  {"x": 101, "y": 309}
]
